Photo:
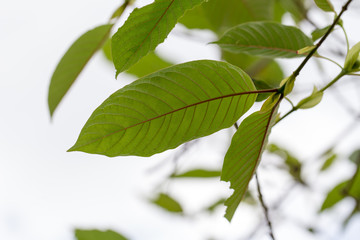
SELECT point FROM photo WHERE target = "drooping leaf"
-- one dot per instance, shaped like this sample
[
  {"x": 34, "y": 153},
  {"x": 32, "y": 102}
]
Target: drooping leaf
[
  {"x": 267, "y": 39},
  {"x": 146, "y": 28},
  {"x": 244, "y": 155},
  {"x": 168, "y": 203},
  {"x": 337, "y": 194},
  {"x": 325, "y": 5},
  {"x": 198, "y": 173},
  {"x": 352, "y": 61},
  {"x": 311, "y": 101},
  {"x": 73, "y": 62},
  {"x": 319, "y": 33},
  {"x": 167, "y": 108},
  {"x": 81, "y": 234}
]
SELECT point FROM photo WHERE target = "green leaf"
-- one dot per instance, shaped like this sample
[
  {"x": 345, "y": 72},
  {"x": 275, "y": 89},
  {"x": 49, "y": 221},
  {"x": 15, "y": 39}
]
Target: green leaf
[
  {"x": 355, "y": 157},
  {"x": 319, "y": 33},
  {"x": 196, "y": 18},
  {"x": 244, "y": 155},
  {"x": 337, "y": 194},
  {"x": 354, "y": 189},
  {"x": 146, "y": 28},
  {"x": 325, "y": 5},
  {"x": 73, "y": 62},
  {"x": 213, "y": 206},
  {"x": 311, "y": 101},
  {"x": 167, "y": 108},
  {"x": 198, "y": 173},
  {"x": 148, "y": 64},
  {"x": 267, "y": 39},
  {"x": 168, "y": 203},
  {"x": 352, "y": 61},
  {"x": 329, "y": 162},
  {"x": 97, "y": 235},
  {"x": 296, "y": 8}
]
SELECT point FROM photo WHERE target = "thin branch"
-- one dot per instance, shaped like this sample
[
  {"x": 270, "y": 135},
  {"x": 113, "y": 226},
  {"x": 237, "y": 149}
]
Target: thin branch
[
  {"x": 298, "y": 70},
  {"x": 265, "y": 208}
]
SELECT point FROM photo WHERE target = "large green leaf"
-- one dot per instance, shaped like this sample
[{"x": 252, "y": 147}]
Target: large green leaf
[
  {"x": 325, "y": 5},
  {"x": 98, "y": 235},
  {"x": 167, "y": 108},
  {"x": 146, "y": 28},
  {"x": 244, "y": 154},
  {"x": 168, "y": 203},
  {"x": 220, "y": 15},
  {"x": 267, "y": 39},
  {"x": 73, "y": 62}
]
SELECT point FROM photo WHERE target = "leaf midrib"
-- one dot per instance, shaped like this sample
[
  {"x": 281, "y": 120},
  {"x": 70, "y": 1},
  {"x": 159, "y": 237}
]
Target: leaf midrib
[{"x": 173, "y": 111}]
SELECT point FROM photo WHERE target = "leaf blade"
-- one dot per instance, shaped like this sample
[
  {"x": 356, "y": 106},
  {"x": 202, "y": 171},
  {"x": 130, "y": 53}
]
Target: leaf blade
[
  {"x": 98, "y": 235},
  {"x": 198, "y": 173},
  {"x": 174, "y": 105},
  {"x": 266, "y": 39},
  {"x": 244, "y": 155},
  {"x": 131, "y": 42},
  {"x": 325, "y": 5},
  {"x": 73, "y": 62}
]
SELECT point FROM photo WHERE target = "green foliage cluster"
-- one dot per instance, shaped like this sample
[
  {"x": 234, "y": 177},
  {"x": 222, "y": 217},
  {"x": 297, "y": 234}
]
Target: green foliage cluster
[{"x": 170, "y": 105}]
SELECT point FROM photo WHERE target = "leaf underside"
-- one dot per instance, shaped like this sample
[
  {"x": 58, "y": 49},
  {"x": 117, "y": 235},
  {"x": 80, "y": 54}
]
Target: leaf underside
[
  {"x": 244, "y": 155},
  {"x": 167, "y": 108},
  {"x": 73, "y": 62},
  {"x": 146, "y": 28},
  {"x": 266, "y": 39}
]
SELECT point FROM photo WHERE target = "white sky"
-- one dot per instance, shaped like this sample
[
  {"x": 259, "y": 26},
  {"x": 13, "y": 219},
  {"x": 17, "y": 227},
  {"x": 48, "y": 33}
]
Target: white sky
[{"x": 45, "y": 192}]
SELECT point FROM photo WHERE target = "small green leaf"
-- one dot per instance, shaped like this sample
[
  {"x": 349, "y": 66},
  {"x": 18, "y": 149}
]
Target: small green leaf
[
  {"x": 167, "y": 108},
  {"x": 306, "y": 50},
  {"x": 329, "y": 162},
  {"x": 270, "y": 102},
  {"x": 145, "y": 29},
  {"x": 244, "y": 155},
  {"x": 319, "y": 33},
  {"x": 337, "y": 194},
  {"x": 198, "y": 173},
  {"x": 354, "y": 189},
  {"x": 213, "y": 206},
  {"x": 168, "y": 203},
  {"x": 267, "y": 39},
  {"x": 352, "y": 61},
  {"x": 287, "y": 85},
  {"x": 325, "y": 5},
  {"x": 311, "y": 101},
  {"x": 73, "y": 62},
  {"x": 98, "y": 235}
]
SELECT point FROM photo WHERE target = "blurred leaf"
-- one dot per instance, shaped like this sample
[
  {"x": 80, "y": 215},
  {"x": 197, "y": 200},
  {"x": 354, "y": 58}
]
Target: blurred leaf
[
  {"x": 106, "y": 50},
  {"x": 73, "y": 62},
  {"x": 329, "y": 162},
  {"x": 145, "y": 29},
  {"x": 198, "y": 173},
  {"x": 168, "y": 203},
  {"x": 352, "y": 61},
  {"x": 355, "y": 157},
  {"x": 337, "y": 194},
  {"x": 168, "y": 108},
  {"x": 296, "y": 8},
  {"x": 196, "y": 18},
  {"x": 311, "y": 101},
  {"x": 213, "y": 206},
  {"x": 354, "y": 189},
  {"x": 244, "y": 154},
  {"x": 148, "y": 64},
  {"x": 97, "y": 235},
  {"x": 267, "y": 39},
  {"x": 319, "y": 33},
  {"x": 325, "y": 5}
]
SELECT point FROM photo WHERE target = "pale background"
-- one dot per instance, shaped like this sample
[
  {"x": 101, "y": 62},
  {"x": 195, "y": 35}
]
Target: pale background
[{"x": 46, "y": 192}]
